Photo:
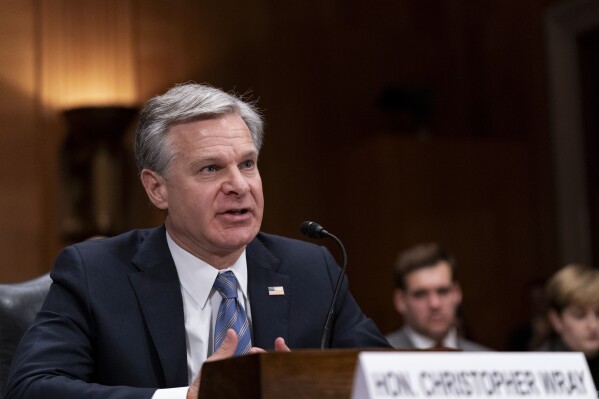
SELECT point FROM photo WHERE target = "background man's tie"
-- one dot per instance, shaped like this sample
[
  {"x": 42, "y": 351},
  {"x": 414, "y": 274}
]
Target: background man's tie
[{"x": 231, "y": 314}]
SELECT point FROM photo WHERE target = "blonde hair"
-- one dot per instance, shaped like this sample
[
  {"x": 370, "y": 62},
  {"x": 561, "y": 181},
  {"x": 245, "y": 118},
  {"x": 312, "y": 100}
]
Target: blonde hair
[{"x": 573, "y": 284}]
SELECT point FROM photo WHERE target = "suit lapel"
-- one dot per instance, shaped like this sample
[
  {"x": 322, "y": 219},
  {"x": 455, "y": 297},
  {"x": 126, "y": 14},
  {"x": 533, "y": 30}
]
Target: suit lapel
[
  {"x": 405, "y": 340},
  {"x": 159, "y": 294},
  {"x": 270, "y": 313}
]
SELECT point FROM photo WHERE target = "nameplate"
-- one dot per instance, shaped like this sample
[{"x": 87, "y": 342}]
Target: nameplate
[{"x": 472, "y": 375}]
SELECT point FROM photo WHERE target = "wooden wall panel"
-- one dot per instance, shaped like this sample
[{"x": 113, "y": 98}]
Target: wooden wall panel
[
  {"x": 87, "y": 53},
  {"x": 86, "y": 58},
  {"x": 472, "y": 195},
  {"x": 22, "y": 204}
]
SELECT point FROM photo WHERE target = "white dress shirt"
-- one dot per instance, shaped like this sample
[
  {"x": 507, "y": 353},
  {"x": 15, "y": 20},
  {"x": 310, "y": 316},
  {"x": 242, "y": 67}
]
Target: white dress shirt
[
  {"x": 200, "y": 307},
  {"x": 423, "y": 342}
]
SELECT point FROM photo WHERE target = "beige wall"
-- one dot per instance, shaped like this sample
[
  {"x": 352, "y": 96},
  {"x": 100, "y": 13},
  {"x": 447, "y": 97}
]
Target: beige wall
[{"x": 480, "y": 183}]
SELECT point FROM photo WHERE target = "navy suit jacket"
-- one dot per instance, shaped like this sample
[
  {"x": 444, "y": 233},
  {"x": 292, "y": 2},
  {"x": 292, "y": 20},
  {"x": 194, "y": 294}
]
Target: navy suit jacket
[{"x": 112, "y": 325}]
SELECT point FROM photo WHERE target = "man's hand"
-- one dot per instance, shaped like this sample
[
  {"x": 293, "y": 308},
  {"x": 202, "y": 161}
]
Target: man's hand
[
  {"x": 281, "y": 346},
  {"x": 226, "y": 350}
]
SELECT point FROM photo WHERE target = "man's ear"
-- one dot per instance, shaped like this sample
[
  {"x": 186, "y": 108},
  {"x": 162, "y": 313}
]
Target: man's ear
[
  {"x": 155, "y": 186},
  {"x": 457, "y": 289},
  {"x": 399, "y": 301}
]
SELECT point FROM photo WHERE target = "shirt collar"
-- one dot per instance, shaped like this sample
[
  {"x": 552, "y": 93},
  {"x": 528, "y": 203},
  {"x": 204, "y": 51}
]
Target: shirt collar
[
  {"x": 423, "y": 342},
  {"x": 197, "y": 277}
]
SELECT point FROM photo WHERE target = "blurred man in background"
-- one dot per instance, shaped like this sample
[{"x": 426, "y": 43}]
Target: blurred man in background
[{"x": 428, "y": 296}]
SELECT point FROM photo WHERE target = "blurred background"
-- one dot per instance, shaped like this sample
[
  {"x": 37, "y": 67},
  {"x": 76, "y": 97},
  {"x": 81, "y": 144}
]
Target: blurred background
[{"x": 472, "y": 123}]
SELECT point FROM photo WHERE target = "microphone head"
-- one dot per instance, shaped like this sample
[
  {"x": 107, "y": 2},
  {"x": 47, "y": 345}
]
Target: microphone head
[{"x": 313, "y": 230}]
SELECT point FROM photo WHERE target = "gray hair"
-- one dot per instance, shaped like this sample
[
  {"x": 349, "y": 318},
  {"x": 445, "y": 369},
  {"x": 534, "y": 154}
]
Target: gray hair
[{"x": 182, "y": 103}]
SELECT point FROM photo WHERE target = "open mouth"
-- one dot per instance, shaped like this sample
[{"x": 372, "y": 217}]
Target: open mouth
[{"x": 237, "y": 212}]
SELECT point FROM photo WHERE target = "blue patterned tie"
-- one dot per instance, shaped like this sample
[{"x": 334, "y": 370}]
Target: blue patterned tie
[{"x": 231, "y": 314}]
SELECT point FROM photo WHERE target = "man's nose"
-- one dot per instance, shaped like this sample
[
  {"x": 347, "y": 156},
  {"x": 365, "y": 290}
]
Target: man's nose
[
  {"x": 235, "y": 182},
  {"x": 434, "y": 301}
]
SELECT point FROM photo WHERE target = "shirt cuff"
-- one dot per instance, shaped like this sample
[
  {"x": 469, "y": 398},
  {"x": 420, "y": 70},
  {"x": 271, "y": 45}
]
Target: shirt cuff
[{"x": 171, "y": 393}]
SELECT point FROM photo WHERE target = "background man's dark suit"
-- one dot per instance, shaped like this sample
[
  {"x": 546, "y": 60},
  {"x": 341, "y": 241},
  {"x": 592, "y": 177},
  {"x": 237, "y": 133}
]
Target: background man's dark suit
[{"x": 114, "y": 314}]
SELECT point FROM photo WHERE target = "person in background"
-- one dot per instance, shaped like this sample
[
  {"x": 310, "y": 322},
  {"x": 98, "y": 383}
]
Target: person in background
[
  {"x": 136, "y": 315},
  {"x": 572, "y": 295},
  {"x": 428, "y": 296}
]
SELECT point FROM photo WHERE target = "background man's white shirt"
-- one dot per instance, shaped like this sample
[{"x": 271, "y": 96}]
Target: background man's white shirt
[{"x": 423, "y": 342}]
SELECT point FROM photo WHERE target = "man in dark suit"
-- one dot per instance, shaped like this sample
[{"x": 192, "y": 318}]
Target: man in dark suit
[
  {"x": 135, "y": 316},
  {"x": 427, "y": 295}
]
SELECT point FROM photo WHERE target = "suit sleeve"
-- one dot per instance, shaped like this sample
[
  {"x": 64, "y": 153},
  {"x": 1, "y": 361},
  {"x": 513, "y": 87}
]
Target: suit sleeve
[{"x": 55, "y": 358}]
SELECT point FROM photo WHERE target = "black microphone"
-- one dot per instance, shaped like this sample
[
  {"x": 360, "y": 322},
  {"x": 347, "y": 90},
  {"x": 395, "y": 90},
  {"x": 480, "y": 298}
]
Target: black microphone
[{"x": 314, "y": 230}]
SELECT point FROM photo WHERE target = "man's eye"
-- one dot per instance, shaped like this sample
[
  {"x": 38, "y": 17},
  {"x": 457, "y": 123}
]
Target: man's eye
[
  {"x": 247, "y": 164},
  {"x": 419, "y": 294},
  {"x": 209, "y": 169}
]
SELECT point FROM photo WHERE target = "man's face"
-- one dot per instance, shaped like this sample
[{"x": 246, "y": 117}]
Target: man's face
[
  {"x": 213, "y": 192},
  {"x": 430, "y": 300},
  {"x": 578, "y": 327}
]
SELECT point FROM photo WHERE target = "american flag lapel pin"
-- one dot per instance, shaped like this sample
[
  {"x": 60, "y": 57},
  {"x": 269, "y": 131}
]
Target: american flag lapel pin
[{"x": 276, "y": 291}]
